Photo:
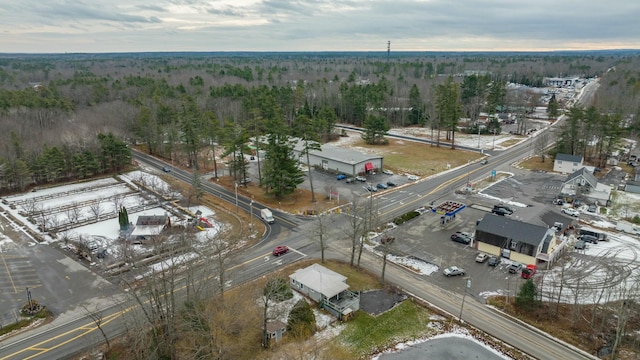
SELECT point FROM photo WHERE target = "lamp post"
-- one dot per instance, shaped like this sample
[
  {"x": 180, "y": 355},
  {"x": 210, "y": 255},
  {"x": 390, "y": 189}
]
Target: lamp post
[
  {"x": 493, "y": 147},
  {"x": 236, "y": 185},
  {"x": 508, "y": 288},
  {"x": 467, "y": 286},
  {"x": 251, "y": 216}
]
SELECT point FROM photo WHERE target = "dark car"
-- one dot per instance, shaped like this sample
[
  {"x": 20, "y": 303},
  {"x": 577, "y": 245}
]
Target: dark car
[
  {"x": 391, "y": 183},
  {"x": 461, "y": 237},
  {"x": 588, "y": 238},
  {"x": 382, "y": 186},
  {"x": 515, "y": 268},
  {"x": 494, "y": 261},
  {"x": 592, "y": 208},
  {"x": 580, "y": 245},
  {"x": 280, "y": 250},
  {"x": 341, "y": 177},
  {"x": 500, "y": 211},
  {"x": 503, "y": 207},
  {"x": 166, "y": 169}
]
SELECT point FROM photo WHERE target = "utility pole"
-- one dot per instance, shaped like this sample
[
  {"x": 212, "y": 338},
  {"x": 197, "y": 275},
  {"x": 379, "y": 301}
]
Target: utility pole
[{"x": 467, "y": 286}]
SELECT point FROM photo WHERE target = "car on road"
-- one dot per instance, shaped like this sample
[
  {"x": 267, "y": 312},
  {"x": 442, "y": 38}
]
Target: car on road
[
  {"x": 482, "y": 257},
  {"x": 392, "y": 183},
  {"x": 484, "y": 162},
  {"x": 361, "y": 178},
  {"x": 515, "y": 268},
  {"x": 371, "y": 189},
  {"x": 580, "y": 245},
  {"x": 571, "y": 211},
  {"x": 166, "y": 169},
  {"x": 280, "y": 250},
  {"x": 387, "y": 171},
  {"x": 592, "y": 208},
  {"x": 500, "y": 211},
  {"x": 382, "y": 186},
  {"x": 413, "y": 177},
  {"x": 453, "y": 271},
  {"x": 494, "y": 261},
  {"x": 461, "y": 237},
  {"x": 341, "y": 177}
]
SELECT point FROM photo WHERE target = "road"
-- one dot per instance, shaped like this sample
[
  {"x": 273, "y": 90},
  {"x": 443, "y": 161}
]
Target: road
[{"x": 60, "y": 339}]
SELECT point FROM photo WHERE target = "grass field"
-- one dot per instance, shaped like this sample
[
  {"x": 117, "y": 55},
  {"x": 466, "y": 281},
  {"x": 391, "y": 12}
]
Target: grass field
[{"x": 534, "y": 163}]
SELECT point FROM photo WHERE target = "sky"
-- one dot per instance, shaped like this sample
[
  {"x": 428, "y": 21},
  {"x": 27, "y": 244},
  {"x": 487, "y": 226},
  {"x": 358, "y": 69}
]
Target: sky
[{"x": 97, "y": 26}]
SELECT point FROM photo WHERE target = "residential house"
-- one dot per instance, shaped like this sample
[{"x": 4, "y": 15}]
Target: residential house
[
  {"x": 148, "y": 226},
  {"x": 515, "y": 240},
  {"x": 566, "y": 164},
  {"x": 328, "y": 288},
  {"x": 583, "y": 185}
]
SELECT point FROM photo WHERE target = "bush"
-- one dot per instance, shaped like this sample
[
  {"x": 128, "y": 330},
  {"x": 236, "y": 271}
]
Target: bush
[
  {"x": 406, "y": 217},
  {"x": 302, "y": 321}
]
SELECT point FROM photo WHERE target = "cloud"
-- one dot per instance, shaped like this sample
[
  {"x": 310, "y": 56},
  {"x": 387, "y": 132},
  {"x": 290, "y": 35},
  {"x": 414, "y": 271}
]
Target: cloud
[{"x": 317, "y": 25}]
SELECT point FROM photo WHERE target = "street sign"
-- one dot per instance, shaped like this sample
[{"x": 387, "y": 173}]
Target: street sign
[{"x": 493, "y": 173}]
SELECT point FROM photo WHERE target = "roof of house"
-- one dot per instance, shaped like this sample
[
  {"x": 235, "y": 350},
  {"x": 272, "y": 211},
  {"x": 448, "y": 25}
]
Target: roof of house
[
  {"x": 513, "y": 229},
  {"x": 584, "y": 173},
  {"x": 338, "y": 154},
  {"x": 275, "y": 325},
  {"x": 568, "y": 157},
  {"x": 151, "y": 220},
  {"x": 319, "y": 278}
]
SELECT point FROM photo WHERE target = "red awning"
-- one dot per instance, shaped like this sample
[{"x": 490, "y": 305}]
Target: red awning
[{"x": 368, "y": 166}]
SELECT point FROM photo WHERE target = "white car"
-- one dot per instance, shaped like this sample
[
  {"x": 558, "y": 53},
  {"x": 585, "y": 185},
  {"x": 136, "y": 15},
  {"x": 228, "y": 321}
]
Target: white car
[
  {"x": 388, "y": 172},
  {"x": 413, "y": 177},
  {"x": 361, "y": 178},
  {"x": 571, "y": 211},
  {"x": 453, "y": 271}
]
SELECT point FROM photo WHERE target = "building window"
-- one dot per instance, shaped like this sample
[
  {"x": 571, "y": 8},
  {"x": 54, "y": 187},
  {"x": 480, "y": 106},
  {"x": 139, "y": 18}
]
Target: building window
[{"x": 559, "y": 162}]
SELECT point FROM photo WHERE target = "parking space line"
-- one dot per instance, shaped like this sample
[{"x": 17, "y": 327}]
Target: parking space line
[{"x": 8, "y": 273}]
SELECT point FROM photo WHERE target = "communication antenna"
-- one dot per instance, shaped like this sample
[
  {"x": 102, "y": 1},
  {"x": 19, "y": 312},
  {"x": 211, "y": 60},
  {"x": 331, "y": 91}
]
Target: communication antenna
[{"x": 388, "y": 50}]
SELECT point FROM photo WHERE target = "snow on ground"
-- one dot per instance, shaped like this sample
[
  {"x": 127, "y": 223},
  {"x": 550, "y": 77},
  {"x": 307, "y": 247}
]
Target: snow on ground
[{"x": 418, "y": 265}]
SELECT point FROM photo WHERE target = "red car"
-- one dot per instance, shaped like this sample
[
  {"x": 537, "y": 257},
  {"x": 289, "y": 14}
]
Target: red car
[
  {"x": 280, "y": 250},
  {"x": 528, "y": 272}
]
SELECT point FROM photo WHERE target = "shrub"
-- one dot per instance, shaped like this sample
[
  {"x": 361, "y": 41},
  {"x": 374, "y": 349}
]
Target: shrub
[{"x": 302, "y": 321}]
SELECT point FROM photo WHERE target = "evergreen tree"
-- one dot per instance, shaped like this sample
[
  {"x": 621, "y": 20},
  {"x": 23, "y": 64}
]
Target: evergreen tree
[
  {"x": 302, "y": 320},
  {"x": 375, "y": 128},
  {"x": 281, "y": 172},
  {"x": 553, "y": 107},
  {"x": 526, "y": 297}
]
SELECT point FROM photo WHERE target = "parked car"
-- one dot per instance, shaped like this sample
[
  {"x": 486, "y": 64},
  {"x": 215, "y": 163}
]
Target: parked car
[
  {"x": 371, "y": 189},
  {"x": 350, "y": 180},
  {"x": 500, "y": 211},
  {"x": 361, "y": 178},
  {"x": 503, "y": 207},
  {"x": 592, "y": 208},
  {"x": 382, "y": 186},
  {"x": 529, "y": 271},
  {"x": 588, "y": 238},
  {"x": 580, "y": 245},
  {"x": 166, "y": 169},
  {"x": 245, "y": 181},
  {"x": 391, "y": 183},
  {"x": 461, "y": 237},
  {"x": 341, "y": 177},
  {"x": 571, "y": 212},
  {"x": 453, "y": 271},
  {"x": 494, "y": 261},
  {"x": 280, "y": 250},
  {"x": 413, "y": 177},
  {"x": 514, "y": 268},
  {"x": 482, "y": 257},
  {"x": 387, "y": 171}
]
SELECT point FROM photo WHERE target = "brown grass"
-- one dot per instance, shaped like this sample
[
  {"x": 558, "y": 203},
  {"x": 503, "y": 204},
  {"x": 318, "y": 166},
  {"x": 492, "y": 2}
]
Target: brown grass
[
  {"x": 404, "y": 156},
  {"x": 534, "y": 163}
]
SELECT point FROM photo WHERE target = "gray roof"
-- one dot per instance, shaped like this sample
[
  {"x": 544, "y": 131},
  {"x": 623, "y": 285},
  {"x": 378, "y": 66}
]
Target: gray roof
[
  {"x": 586, "y": 174},
  {"x": 338, "y": 154},
  {"x": 567, "y": 157},
  {"x": 317, "y": 277},
  {"x": 513, "y": 229}
]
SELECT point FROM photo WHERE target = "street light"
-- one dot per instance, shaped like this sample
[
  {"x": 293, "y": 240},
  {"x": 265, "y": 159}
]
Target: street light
[
  {"x": 467, "y": 286},
  {"x": 251, "y": 216},
  {"x": 236, "y": 184},
  {"x": 508, "y": 288}
]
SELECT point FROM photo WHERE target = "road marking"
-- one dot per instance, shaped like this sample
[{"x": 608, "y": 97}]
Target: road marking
[{"x": 9, "y": 273}]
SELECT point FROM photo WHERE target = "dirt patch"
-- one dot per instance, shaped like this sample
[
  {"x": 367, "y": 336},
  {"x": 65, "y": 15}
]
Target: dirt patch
[{"x": 376, "y": 302}]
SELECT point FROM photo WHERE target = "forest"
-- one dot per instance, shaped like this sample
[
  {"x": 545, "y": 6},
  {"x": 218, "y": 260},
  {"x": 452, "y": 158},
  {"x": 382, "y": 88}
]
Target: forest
[{"x": 68, "y": 117}]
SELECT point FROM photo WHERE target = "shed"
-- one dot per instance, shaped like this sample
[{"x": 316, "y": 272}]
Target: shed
[
  {"x": 339, "y": 160},
  {"x": 276, "y": 329}
]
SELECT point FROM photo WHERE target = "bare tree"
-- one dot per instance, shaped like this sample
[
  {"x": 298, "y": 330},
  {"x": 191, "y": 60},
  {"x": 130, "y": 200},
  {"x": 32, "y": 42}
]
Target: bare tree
[
  {"x": 96, "y": 208},
  {"x": 542, "y": 141},
  {"x": 73, "y": 213},
  {"x": 323, "y": 221},
  {"x": 118, "y": 201},
  {"x": 96, "y": 316},
  {"x": 356, "y": 224}
]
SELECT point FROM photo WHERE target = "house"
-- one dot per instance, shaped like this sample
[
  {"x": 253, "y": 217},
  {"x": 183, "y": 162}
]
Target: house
[
  {"x": 340, "y": 160},
  {"x": 582, "y": 184},
  {"x": 328, "y": 288},
  {"x": 632, "y": 186},
  {"x": 276, "y": 329},
  {"x": 566, "y": 164},
  {"x": 148, "y": 226},
  {"x": 515, "y": 240}
]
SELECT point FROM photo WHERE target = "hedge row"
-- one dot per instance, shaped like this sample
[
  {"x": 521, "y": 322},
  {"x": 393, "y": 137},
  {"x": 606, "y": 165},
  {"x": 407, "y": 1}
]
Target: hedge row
[{"x": 406, "y": 217}]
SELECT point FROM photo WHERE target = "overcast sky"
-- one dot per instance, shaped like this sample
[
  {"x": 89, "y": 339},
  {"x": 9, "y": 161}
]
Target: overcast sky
[{"x": 58, "y": 26}]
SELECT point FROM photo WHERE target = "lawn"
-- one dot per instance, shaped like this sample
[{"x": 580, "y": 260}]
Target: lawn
[
  {"x": 404, "y": 156},
  {"x": 534, "y": 163},
  {"x": 366, "y": 334}
]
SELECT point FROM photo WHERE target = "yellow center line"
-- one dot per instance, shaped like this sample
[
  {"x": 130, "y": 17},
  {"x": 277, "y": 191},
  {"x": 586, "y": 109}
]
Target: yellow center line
[{"x": 8, "y": 273}]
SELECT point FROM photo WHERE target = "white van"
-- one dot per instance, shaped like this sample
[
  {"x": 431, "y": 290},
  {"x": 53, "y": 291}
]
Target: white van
[{"x": 267, "y": 216}]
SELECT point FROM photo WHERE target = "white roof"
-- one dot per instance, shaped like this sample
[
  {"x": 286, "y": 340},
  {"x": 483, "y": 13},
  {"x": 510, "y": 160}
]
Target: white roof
[
  {"x": 319, "y": 278},
  {"x": 146, "y": 230}
]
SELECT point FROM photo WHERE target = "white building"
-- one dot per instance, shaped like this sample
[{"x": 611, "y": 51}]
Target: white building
[{"x": 567, "y": 164}]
